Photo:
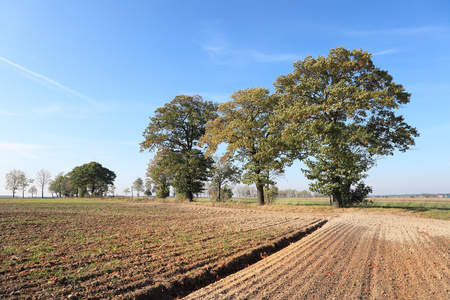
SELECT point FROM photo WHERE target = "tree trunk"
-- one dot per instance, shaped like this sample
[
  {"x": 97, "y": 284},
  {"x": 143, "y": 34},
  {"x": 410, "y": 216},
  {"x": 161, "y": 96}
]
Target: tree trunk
[
  {"x": 260, "y": 194},
  {"x": 42, "y": 192},
  {"x": 337, "y": 200},
  {"x": 190, "y": 196},
  {"x": 219, "y": 193}
]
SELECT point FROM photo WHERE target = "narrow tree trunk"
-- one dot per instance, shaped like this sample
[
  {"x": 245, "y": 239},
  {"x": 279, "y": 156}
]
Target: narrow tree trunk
[
  {"x": 219, "y": 193},
  {"x": 42, "y": 192},
  {"x": 260, "y": 194}
]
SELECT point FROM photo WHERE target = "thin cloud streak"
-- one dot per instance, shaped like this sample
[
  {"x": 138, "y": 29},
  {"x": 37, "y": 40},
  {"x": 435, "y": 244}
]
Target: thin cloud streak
[
  {"x": 385, "y": 52},
  {"x": 220, "y": 51},
  {"x": 47, "y": 80},
  {"x": 223, "y": 55}
]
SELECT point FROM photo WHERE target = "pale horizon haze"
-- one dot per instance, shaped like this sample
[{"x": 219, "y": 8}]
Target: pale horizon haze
[{"x": 80, "y": 79}]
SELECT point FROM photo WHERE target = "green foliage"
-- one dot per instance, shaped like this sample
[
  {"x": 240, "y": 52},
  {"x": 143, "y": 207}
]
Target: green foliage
[
  {"x": 62, "y": 186},
  {"x": 163, "y": 192},
  {"x": 243, "y": 124},
  {"x": 223, "y": 173},
  {"x": 93, "y": 177},
  {"x": 190, "y": 170},
  {"x": 159, "y": 175},
  {"x": 175, "y": 131},
  {"x": 271, "y": 193},
  {"x": 225, "y": 193},
  {"x": 178, "y": 125},
  {"x": 340, "y": 109}
]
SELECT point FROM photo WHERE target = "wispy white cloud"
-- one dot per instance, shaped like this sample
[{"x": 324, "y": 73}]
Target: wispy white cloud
[
  {"x": 222, "y": 54},
  {"x": 264, "y": 57},
  {"x": 385, "y": 52},
  {"x": 220, "y": 51},
  {"x": 47, "y": 81}
]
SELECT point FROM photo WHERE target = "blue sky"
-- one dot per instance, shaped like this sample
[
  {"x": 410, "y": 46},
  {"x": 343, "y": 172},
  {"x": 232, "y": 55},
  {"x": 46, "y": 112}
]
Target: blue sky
[{"x": 79, "y": 79}]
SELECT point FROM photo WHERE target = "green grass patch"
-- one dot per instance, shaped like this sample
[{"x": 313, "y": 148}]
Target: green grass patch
[{"x": 439, "y": 210}]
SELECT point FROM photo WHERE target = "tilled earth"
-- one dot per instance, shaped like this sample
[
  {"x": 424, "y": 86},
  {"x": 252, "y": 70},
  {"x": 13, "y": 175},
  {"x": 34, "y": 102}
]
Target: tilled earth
[
  {"x": 96, "y": 249},
  {"x": 356, "y": 255}
]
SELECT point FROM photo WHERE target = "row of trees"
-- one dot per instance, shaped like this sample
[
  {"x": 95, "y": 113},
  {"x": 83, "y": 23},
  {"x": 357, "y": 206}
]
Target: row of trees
[
  {"x": 88, "y": 179},
  {"x": 139, "y": 186},
  {"x": 335, "y": 113},
  {"x": 18, "y": 180}
]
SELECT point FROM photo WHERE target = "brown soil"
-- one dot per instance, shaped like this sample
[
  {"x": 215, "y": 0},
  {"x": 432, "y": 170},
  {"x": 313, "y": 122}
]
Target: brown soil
[
  {"x": 356, "y": 255},
  {"x": 59, "y": 249}
]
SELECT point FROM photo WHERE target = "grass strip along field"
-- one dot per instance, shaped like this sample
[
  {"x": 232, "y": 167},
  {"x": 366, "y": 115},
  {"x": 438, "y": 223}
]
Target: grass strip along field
[
  {"x": 88, "y": 248},
  {"x": 435, "y": 208}
]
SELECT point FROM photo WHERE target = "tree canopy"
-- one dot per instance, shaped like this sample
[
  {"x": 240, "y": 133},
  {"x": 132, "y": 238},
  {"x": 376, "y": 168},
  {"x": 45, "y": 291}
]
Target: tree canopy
[
  {"x": 223, "y": 173},
  {"x": 175, "y": 131},
  {"x": 243, "y": 124},
  {"x": 341, "y": 109},
  {"x": 92, "y": 177},
  {"x": 159, "y": 175}
]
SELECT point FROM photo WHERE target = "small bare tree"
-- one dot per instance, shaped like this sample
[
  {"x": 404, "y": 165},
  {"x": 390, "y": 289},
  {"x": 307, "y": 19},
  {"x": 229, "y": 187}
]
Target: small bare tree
[
  {"x": 13, "y": 180},
  {"x": 24, "y": 181},
  {"x": 33, "y": 191},
  {"x": 43, "y": 177},
  {"x": 138, "y": 185}
]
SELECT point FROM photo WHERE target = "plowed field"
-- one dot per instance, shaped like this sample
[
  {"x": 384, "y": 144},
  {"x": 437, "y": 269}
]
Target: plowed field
[
  {"x": 97, "y": 249},
  {"x": 353, "y": 256}
]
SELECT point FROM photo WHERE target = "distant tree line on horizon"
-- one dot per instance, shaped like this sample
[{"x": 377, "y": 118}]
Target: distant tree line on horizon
[{"x": 90, "y": 179}]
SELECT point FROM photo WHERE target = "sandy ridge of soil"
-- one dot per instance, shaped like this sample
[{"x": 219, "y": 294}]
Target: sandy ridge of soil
[{"x": 354, "y": 256}]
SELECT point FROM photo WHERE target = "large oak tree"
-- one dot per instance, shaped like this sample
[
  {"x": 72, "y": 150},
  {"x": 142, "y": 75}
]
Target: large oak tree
[
  {"x": 175, "y": 131},
  {"x": 342, "y": 110},
  {"x": 243, "y": 125}
]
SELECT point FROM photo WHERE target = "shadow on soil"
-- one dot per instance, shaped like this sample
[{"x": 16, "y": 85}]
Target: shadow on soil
[{"x": 193, "y": 282}]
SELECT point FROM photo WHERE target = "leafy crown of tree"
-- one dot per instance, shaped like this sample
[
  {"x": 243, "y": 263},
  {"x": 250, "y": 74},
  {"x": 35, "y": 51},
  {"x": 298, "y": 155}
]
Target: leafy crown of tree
[{"x": 341, "y": 110}]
